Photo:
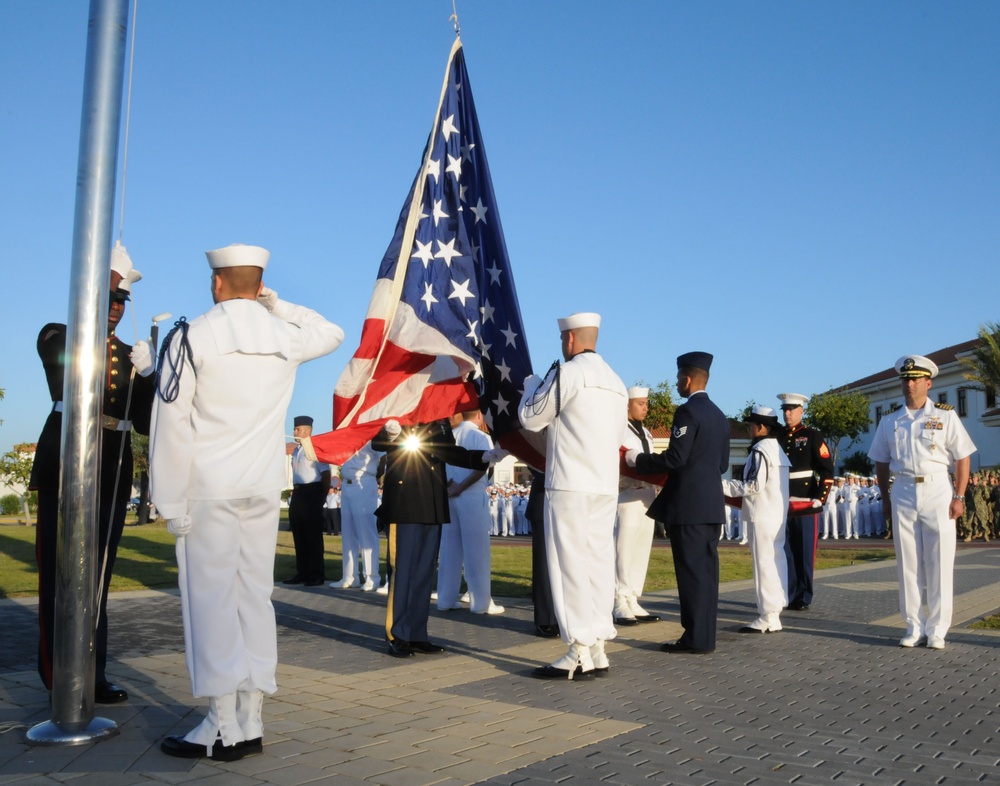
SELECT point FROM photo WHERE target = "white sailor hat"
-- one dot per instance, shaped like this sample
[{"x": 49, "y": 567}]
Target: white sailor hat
[
  {"x": 121, "y": 262},
  {"x": 582, "y": 319},
  {"x": 638, "y": 392},
  {"x": 129, "y": 279},
  {"x": 238, "y": 255},
  {"x": 763, "y": 416},
  {"x": 915, "y": 367},
  {"x": 792, "y": 400}
]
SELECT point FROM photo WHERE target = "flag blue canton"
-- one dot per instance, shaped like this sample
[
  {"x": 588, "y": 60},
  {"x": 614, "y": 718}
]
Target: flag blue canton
[{"x": 458, "y": 278}]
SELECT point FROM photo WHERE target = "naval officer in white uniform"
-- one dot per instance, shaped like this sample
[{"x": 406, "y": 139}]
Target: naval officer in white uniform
[
  {"x": 583, "y": 405},
  {"x": 217, "y": 455},
  {"x": 917, "y": 444}
]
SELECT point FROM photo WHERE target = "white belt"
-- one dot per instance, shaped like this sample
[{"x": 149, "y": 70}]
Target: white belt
[
  {"x": 107, "y": 421},
  {"x": 803, "y": 473}
]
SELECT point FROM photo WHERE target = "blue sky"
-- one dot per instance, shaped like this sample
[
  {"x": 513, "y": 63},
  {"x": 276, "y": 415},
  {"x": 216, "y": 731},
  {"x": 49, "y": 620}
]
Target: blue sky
[{"x": 807, "y": 190}]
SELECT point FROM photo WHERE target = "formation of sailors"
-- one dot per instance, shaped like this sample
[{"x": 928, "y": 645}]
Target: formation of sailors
[
  {"x": 853, "y": 509},
  {"x": 508, "y": 508}
]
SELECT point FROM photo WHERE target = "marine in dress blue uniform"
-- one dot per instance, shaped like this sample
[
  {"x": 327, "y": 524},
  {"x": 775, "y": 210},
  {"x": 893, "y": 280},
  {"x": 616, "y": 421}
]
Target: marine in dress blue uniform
[
  {"x": 811, "y": 477},
  {"x": 692, "y": 503},
  {"x": 120, "y": 414}
]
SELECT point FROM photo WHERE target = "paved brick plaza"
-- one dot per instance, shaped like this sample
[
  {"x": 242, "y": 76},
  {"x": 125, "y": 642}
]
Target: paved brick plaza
[{"x": 832, "y": 699}]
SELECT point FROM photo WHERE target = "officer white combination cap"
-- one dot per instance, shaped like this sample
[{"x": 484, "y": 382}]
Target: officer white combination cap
[
  {"x": 238, "y": 255},
  {"x": 792, "y": 400},
  {"x": 637, "y": 392},
  {"x": 915, "y": 367},
  {"x": 584, "y": 319}
]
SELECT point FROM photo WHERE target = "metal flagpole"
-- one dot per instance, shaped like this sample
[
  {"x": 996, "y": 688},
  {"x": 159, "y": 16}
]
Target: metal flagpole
[{"x": 73, "y": 660}]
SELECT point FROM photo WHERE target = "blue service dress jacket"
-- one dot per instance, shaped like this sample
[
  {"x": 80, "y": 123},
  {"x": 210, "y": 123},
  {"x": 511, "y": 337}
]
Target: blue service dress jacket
[{"x": 697, "y": 457}]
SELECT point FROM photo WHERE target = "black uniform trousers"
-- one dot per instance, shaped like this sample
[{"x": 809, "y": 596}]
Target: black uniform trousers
[
  {"x": 695, "y": 550},
  {"x": 111, "y": 518},
  {"x": 305, "y": 518},
  {"x": 800, "y": 551},
  {"x": 413, "y": 551},
  {"x": 541, "y": 588}
]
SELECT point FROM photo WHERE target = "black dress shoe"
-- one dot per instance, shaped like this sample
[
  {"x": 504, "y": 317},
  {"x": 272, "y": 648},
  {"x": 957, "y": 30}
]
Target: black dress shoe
[
  {"x": 677, "y": 647},
  {"x": 182, "y": 749},
  {"x": 547, "y": 631},
  {"x": 252, "y": 747},
  {"x": 109, "y": 693},
  {"x": 647, "y": 618},
  {"x": 400, "y": 649},
  {"x": 425, "y": 648},
  {"x": 624, "y": 622},
  {"x": 314, "y": 583},
  {"x": 798, "y": 605},
  {"x": 296, "y": 579},
  {"x": 551, "y": 673},
  {"x": 748, "y": 629}
]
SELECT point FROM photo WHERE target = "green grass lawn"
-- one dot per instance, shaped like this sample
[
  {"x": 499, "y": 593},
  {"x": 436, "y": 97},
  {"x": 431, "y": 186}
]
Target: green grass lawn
[{"x": 146, "y": 561}]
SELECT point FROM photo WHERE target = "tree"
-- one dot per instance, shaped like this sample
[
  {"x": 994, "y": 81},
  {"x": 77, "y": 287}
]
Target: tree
[
  {"x": 837, "y": 415},
  {"x": 743, "y": 414},
  {"x": 984, "y": 364},
  {"x": 140, "y": 473},
  {"x": 661, "y": 406},
  {"x": 859, "y": 463},
  {"x": 15, "y": 470}
]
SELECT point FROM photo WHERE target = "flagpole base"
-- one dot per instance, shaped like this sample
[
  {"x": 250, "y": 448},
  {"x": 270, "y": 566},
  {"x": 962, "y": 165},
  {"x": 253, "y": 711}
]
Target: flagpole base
[{"x": 51, "y": 733}]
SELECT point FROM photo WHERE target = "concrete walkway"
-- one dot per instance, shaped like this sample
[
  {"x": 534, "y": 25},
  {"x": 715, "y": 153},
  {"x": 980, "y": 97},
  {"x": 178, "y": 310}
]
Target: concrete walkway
[{"x": 832, "y": 699}]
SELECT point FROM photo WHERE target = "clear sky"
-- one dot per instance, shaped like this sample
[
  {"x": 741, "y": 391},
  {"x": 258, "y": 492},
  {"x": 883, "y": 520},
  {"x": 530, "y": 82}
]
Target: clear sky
[{"x": 806, "y": 190}]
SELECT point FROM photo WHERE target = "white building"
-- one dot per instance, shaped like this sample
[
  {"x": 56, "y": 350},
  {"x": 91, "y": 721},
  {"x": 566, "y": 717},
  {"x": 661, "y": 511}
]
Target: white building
[{"x": 977, "y": 408}]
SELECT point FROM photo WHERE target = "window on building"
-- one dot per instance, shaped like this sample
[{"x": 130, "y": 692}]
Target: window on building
[
  {"x": 991, "y": 398},
  {"x": 943, "y": 398},
  {"x": 963, "y": 402},
  {"x": 878, "y": 415}
]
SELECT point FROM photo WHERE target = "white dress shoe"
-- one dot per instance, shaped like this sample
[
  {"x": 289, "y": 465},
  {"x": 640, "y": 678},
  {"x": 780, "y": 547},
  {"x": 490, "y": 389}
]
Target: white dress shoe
[
  {"x": 493, "y": 608},
  {"x": 383, "y": 590},
  {"x": 342, "y": 584},
  {"x": 464, "y": 598},
  {"x": 912, "y": 640},
  {"x": 368, "y": 586},
  {"x": 935, "y": 642}
]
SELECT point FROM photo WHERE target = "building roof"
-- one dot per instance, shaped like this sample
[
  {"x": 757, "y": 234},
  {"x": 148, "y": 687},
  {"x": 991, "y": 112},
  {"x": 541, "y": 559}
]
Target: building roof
[{"x": 941, "y": 358}]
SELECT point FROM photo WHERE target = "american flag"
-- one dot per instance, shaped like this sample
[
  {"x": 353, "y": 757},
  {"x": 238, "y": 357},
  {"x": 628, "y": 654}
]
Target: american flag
[{"x": 443, "y": 330}]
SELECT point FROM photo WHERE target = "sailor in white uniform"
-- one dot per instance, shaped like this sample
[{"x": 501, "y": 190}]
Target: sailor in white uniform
[
  {"x": 830, "y": 509},
  {"x": 217, "y": 456},
  {"x": 583, "y": 405},
  {"x": 764, "y": 489},
  {"x": 465, "y": 542},
  {"x": 633, "y": 529},
  {"x": 358, "y": 525},
  {"x": 917, "y": 444}
]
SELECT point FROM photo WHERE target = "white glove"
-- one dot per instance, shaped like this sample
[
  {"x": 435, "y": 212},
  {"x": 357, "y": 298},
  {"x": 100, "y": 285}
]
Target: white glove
[
  {"x": 531, "y": 383},
  {"x": 268, "y": 298},
  {"x": 142, "y": 358},
  {"x": 179, "y": 527},
  {"x": 630, "y": 456},
  {"x": 493, "y": 455},
  {"x": 392, "y": 428}
]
